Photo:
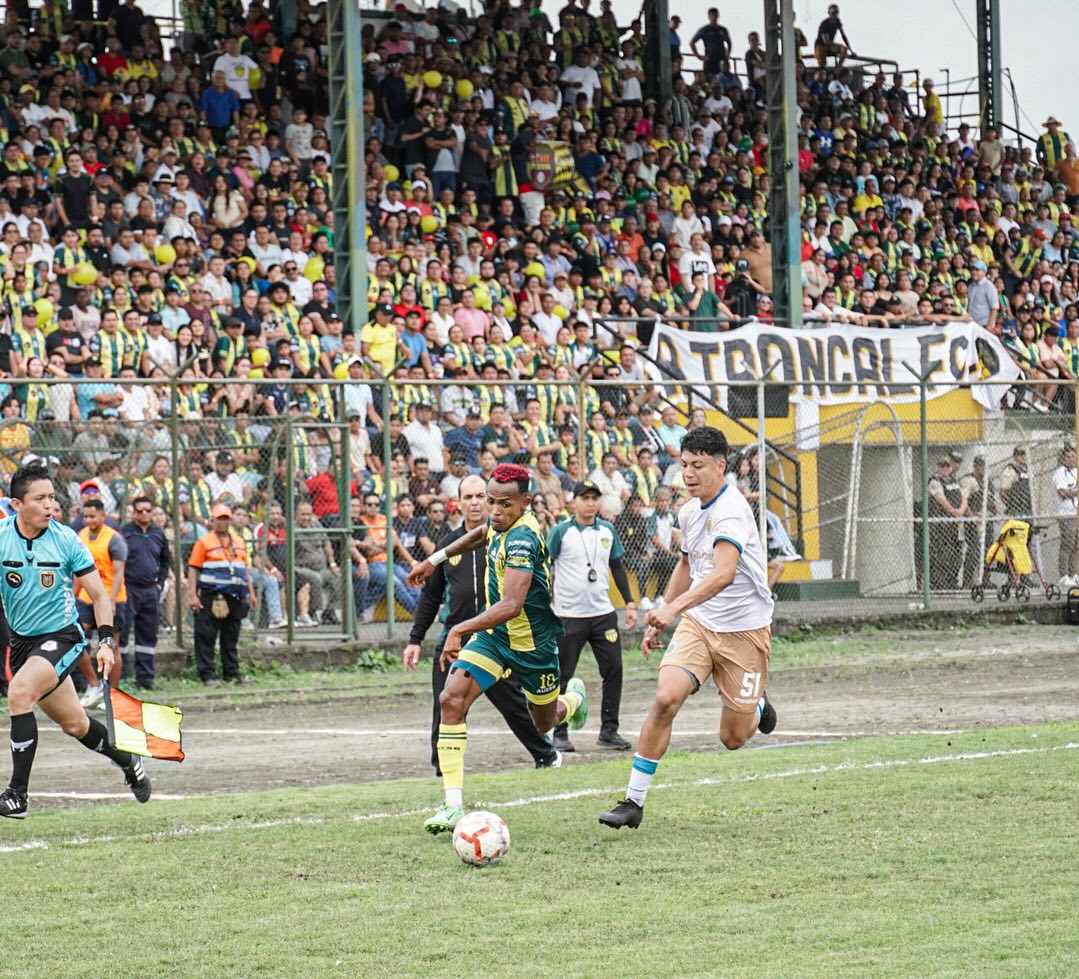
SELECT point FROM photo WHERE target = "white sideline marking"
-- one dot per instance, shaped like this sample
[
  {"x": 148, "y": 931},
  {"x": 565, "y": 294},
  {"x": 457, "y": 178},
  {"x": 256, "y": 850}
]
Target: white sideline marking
[
  {"x": 496, "y": 731},
  {"x": 95, "y": 796},
  {"x": 182, "y": 831}
]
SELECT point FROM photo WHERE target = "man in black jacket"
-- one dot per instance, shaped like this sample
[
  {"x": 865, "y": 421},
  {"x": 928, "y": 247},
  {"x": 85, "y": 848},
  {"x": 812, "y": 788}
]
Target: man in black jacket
[
  {"x": 458, "y": 587},
  {"x": 145, "y": 574}
]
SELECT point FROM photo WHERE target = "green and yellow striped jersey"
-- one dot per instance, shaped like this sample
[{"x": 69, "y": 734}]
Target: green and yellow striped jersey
[{"x": 523, "y": 548}]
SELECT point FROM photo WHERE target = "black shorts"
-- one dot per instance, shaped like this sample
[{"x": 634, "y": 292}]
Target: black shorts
[{"x": 62, "y": 649}]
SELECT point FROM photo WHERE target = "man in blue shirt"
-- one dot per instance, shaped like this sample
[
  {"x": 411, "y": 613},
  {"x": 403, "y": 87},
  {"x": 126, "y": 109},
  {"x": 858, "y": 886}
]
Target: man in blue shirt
[
  {"x": 220, "y": 107},
  {"x": 41, "y": 559},
  {"x": 467, "y": 441}
]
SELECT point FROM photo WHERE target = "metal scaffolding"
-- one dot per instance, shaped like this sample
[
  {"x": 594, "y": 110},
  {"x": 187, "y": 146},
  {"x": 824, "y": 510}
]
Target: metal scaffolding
[
  {"x": 784, "y": 195},
  {"x": 347, "y": 167},
  {"x": 990, "y": 88}
]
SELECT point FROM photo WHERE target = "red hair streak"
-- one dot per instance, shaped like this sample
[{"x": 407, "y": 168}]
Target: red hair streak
[{"x": 509, "y": 473}]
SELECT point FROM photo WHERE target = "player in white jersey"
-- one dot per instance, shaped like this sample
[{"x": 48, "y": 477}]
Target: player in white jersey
[{"x": 719, "y": 597}]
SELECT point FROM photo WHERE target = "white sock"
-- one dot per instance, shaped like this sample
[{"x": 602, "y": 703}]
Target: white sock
[
  {"x": 455, "y": 798},
  {"x": 640, "y": 778}
]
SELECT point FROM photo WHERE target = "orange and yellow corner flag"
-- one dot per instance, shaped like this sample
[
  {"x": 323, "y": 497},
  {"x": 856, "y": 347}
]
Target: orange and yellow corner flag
[{"x": 151, "y": 730}]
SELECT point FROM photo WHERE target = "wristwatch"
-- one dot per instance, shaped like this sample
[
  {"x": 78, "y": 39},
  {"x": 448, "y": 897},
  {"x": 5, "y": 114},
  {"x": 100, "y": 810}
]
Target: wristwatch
[{"x": 107, "y": 641}]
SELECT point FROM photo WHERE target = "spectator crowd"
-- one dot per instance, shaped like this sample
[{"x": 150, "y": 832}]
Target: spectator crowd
[{"x": 166, "y": 215}]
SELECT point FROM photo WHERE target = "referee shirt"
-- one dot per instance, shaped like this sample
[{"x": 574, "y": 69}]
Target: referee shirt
[
  {"x": 575, "y": 549},
  {"x": 37, "y": 581}
]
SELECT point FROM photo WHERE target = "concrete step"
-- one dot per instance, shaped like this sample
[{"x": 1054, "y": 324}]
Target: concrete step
[{"x": 817, "y": 591}]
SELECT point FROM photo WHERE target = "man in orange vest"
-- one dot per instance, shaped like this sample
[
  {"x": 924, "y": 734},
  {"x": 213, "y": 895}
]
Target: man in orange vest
[
  {"x": 220, "y": 593},
  {"x": 109, "y": 551}
]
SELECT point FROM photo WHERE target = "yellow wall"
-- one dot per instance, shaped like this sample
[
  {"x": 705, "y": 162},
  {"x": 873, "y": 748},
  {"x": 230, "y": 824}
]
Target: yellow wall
[{"x": 952, "y": 419}]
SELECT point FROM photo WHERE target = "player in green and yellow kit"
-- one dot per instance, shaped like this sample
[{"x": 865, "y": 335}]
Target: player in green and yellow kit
[{"x": 517, "y": 632}]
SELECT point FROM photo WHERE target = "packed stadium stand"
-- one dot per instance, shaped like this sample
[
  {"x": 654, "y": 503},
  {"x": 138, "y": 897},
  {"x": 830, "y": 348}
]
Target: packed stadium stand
[{"x": 166, "y": 206}]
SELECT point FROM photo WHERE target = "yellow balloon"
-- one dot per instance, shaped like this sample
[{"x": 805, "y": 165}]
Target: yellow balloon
[
  {"x": 248, "y": 261},
  {"x": 256, "y": 373},
  {"x": 432, "y": 79},
  {"x": 391, "y": 173},
  {"x": 535, "y": 268},
  {"x": 84, "y": 275},
  {"x": 260, "y": 356},
  {"x": 465, "y": 88},
  {"x": 45, "y": 309},
  {"x": 472, "y": 280},
  {"x": 429, "y": 224},
  {"x": 560, "y": 311},
  {"x": 483, "y": 298},
  {"x": 165, "y": 254},
  {"x": 341, "y": 371},
  {"x": 313, "y": 269}
]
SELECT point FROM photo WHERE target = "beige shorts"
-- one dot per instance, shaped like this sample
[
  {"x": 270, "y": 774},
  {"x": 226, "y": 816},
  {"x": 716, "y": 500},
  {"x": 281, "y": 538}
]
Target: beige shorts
[{"x": 736, "y": 661}]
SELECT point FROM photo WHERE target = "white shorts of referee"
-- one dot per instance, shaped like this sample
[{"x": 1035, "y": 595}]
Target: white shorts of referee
[{"x": 601, "y": 633}]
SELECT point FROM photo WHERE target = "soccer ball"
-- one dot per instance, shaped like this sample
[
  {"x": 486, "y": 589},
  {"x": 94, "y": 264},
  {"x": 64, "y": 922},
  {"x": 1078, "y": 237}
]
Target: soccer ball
[{"x": 481, "y": 838}]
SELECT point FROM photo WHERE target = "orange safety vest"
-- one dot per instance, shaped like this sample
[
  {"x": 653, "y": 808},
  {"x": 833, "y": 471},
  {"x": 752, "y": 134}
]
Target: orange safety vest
[{"x": 99, "y": 551}]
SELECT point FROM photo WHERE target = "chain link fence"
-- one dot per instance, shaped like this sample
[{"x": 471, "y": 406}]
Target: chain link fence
[{"x": 863, "y": 502}]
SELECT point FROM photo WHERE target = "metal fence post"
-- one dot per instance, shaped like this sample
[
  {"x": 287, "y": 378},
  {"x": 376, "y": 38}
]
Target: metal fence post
[
  {"x": 923, "y": 421},
  {"x": 344, "y": 516},
  {"x": 177, "y": 528},
  {"x": 582, "y": 428},
  {"x": 762, "y": 471},
  {"x": 387, "y": 467},
  {"x": 290, "y": 523}
]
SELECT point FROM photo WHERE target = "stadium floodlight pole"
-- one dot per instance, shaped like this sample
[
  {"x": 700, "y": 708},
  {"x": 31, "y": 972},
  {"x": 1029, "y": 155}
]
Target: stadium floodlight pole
[
  {"x": 345, "y": 72},
  {"x": 357, "y": 168},
  {"x": 990, "y": 84},
  {"x": 784, "y": 199},
  {"x": 923, "y": 422}
]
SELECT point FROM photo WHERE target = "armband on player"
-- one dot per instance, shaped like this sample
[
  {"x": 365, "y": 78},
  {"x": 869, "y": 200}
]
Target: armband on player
[{"x": 438, "y": 557}]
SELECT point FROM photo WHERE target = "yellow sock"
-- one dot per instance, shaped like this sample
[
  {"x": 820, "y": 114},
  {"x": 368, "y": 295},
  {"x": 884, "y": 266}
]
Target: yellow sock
[
  {"x": 571, "y": 701},
  {"x": 452, "y": 739}
]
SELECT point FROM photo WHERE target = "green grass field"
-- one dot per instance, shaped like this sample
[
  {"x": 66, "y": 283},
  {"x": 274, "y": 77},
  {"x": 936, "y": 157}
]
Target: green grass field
[{"x": 920, "y": 856}]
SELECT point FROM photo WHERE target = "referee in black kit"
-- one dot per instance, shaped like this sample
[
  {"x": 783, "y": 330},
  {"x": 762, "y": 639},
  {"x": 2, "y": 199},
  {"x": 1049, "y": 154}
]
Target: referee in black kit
[
  {"x": 586, "y": 551},
  {"x": 459, "y": 586}
]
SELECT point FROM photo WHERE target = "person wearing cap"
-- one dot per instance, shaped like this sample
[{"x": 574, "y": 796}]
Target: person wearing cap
[
  {"x": 220, "y": 593},
  {"x": 983, "y": 300},
  {"x": 586, "y": 553},
  {"x": 1050, "y": 146},
  {"x": 946, "y": 505},
  {"x": 379, "y": 340}
]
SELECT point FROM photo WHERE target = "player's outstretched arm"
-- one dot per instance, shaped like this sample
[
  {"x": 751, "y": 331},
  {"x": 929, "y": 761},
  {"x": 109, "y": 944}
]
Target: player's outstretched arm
[
  {"x": 514, "y": 591},
  {"x": 676, "y": 587},
  {"x": 469, "y": 542}
]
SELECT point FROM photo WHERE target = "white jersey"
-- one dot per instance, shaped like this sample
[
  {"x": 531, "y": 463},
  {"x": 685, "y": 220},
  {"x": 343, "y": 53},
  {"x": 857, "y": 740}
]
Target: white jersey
[
  {"x": 575, "y": 551},
  {"x": 746, "y": 603}
]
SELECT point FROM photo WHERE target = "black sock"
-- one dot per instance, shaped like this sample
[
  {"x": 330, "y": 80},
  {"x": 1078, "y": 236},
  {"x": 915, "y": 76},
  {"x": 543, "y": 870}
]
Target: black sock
[
  {"x": 23, "y": 748},
  {"x": 97, "y": 739}
]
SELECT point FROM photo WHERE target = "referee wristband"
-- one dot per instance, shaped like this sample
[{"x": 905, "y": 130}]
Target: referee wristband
[
  {"x": 105, "y": 632},
  {"x": 438, "y": 557}
]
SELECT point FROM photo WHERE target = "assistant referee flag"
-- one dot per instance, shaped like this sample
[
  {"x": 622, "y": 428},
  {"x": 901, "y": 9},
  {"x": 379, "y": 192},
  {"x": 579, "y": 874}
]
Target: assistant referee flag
[{"x": 152, "y": 730}]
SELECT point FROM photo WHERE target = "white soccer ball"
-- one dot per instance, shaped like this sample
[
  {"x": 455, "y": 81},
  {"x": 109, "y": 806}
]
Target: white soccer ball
[{"x": 481, "y": 838}]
